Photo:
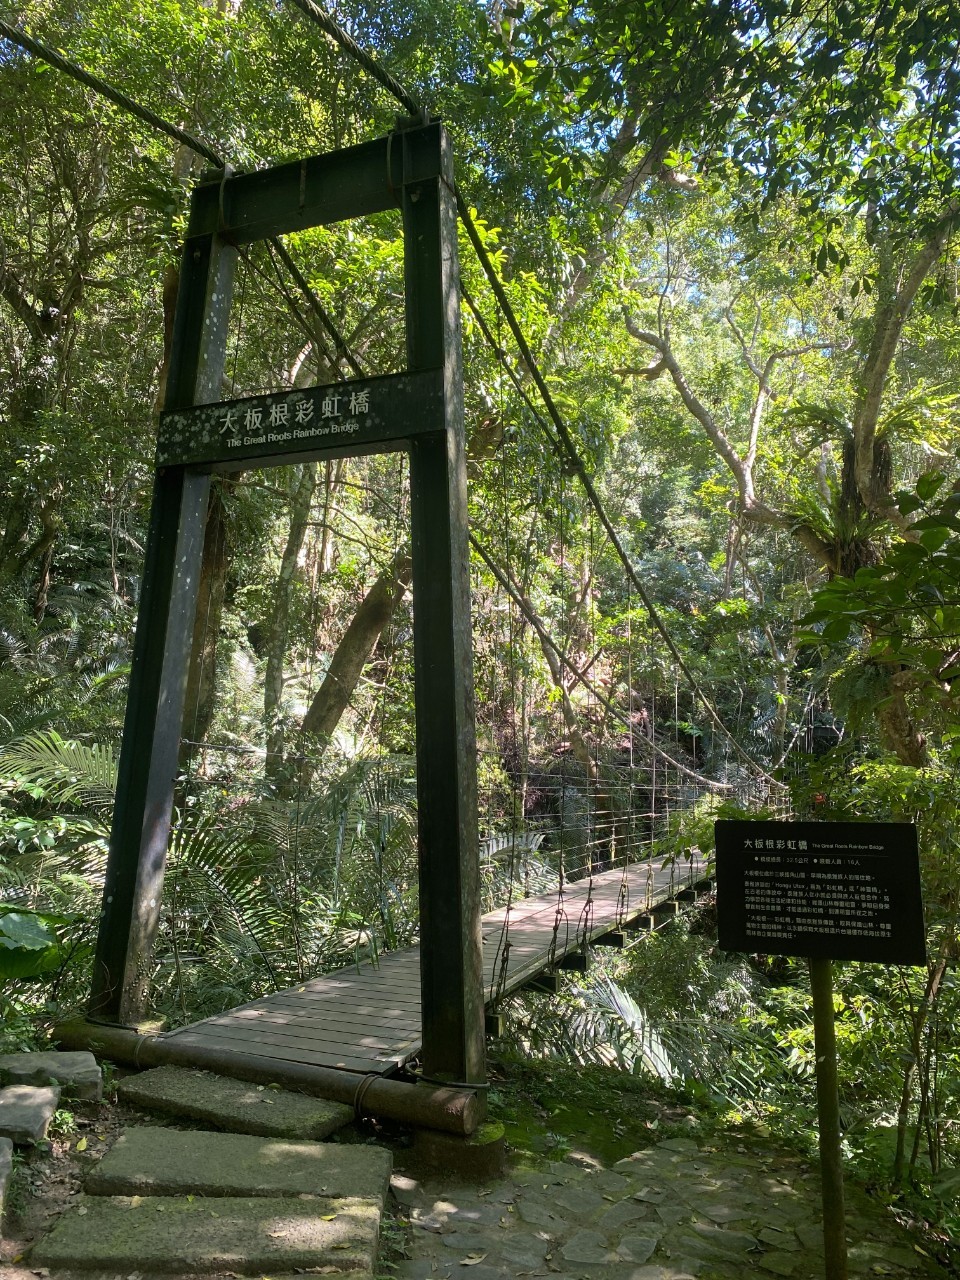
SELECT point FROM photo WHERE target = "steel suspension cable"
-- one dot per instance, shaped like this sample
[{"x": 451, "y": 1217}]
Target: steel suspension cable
[
  {"x": 572, "y": 454},
  {"x": 369, "y": 64},
  {"x": 54, "y": 59},
  {"x": 580, "y": 676},
  {"x": 564, "y": 440}
]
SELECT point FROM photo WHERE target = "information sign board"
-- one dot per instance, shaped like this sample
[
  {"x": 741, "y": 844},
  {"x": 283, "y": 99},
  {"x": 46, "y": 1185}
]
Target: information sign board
[
  {"x": 827, "y": 890},
  {"x": 360, "y": 416}
]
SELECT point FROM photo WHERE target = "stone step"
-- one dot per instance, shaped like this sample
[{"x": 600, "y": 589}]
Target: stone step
[
  {"x": 233, "y": 1105},
  {"x": 26, "y": 1112},
  {"x": 78, "y": 1074},
  {"x": 151, "y": 1161},
  {"x": 196, "y": 1236}
]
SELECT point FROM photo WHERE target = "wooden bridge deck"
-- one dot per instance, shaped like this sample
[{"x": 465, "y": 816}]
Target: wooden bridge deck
[{"x": 367, "y": 1018}]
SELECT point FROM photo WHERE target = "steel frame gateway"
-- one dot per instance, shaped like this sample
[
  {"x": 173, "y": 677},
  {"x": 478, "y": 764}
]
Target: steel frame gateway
[{"x": 420, "y": 411}]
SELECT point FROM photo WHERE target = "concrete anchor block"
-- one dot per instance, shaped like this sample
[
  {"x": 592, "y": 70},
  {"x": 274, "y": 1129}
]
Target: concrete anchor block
[{"x": 480, "y": 1157}]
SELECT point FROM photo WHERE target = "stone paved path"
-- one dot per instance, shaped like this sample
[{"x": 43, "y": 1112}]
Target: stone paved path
[
  {"x": 168, "y": 1200},
  {"x": 674, "y": 1211}
]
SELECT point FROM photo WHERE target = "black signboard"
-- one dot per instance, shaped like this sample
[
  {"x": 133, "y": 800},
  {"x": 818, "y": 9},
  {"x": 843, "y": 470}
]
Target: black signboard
[
  {"x": 355, "y": 417},
  {"x": 829, "y": 890}
]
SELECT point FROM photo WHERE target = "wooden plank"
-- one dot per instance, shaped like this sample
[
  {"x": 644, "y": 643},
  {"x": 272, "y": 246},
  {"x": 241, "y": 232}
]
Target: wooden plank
[
  {"x": 344, "y": 1059},
  {"x": 355, "y": 992},
  {"x": 319, "y": 1039},
  {"x": 273, "y": 1018},
  {"x": 345, "y": 1017},
  {"x": 343, "y": 990}
]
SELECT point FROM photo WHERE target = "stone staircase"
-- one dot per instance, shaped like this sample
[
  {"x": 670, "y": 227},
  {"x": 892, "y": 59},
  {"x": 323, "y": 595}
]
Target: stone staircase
[{"x": 246, "y": 1197}]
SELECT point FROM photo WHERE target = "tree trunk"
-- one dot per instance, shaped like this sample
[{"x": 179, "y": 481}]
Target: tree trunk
[
  {"x": 332, "y": 478},
  {"x": 211, "y": 592},
  {"x": 302, "y": 486},
  {"x": 898, "y": 728},
  {"x": 353, "y": 653}
]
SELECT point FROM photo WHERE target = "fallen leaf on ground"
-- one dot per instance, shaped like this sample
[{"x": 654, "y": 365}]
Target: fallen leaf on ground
[
  {"x": 472, "y": 1259},
  {"x": 81, "y": 1145}
]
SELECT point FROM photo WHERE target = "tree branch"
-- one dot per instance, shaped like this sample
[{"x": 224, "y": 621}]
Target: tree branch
[
  {"x": 891, "y": 317},
  {"x": 697, "y": 409},
  {"x": 12, "y": 293}
]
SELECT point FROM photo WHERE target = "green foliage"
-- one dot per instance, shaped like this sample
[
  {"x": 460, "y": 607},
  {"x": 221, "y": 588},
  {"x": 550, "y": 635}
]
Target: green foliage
[
  {"x": 29, "y": 946},
  {"x": 864, "y": 100},
  {"x": 904, "y": 610}
]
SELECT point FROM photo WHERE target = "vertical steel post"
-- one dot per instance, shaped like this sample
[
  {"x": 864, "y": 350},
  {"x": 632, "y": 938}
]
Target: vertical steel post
[
  {"x": 828, "y": 1114},
  {"x": 151, "y": 731},
  {"x": 451, "y": 965}
]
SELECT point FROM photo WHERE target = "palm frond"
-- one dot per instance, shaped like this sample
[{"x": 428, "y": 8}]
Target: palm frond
[
  {"x": 224, "y": 858},
  {"x": 62, "y": 770}
]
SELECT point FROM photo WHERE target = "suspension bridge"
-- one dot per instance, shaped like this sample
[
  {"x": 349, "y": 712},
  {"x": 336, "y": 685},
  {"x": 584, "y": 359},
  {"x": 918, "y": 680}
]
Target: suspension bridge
[
  {"x": 427, "y": 1002},
  {"x": 367, "y": 1018}
]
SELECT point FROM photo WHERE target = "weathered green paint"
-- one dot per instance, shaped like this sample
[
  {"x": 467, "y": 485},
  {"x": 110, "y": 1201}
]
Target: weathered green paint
[
  {"x": 451, "y": 963},
  {"x": 344, "y": 418},
  {"x": 151, "y": 731},
  {"x": 412, "y": 170},
  {"x": 318, "y": 190}
]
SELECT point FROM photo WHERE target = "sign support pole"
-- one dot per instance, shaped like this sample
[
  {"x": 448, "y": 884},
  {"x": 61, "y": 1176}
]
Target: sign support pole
[
  {"x": 828, "y": 1114},
  {"x": 828, "y": 891}
]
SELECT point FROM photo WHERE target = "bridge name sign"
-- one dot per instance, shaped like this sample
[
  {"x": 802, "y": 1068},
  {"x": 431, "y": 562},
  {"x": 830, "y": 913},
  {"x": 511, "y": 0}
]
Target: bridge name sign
[{"x": 365, "y": 415}]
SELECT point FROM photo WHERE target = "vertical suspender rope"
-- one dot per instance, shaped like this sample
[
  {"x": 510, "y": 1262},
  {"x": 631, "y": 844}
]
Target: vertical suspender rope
[
  {"x": 595, "y": 836},
  {"x": 623, "y": 896}
]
